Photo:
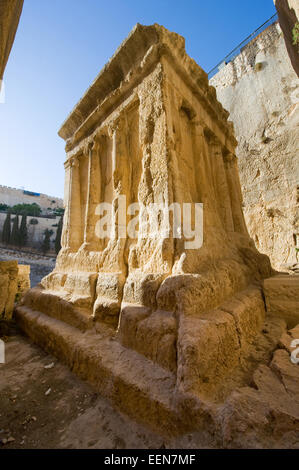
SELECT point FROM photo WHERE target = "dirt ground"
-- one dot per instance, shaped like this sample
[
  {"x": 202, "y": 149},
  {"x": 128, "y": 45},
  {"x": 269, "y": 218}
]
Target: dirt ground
[{"x": 50, "y": 408}]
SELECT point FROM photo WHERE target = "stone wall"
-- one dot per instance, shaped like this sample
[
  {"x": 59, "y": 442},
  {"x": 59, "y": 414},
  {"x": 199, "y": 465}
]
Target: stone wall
[
  {"x": 35, "y": 232},
  {"x": 12, "y": 196},
  {"x": 260, "y": 90},
  {"x": 14, "y": 281}
]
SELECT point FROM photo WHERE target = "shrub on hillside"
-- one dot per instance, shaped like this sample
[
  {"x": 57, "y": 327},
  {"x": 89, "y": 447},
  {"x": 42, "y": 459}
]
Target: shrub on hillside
[
  {"x": 14, "y": 238},
  {"x": 46, "y": 242},
  {"x": 26, "y": 209},
  {"x": 59, "y": 211},
  {"x": 6, "y": 232},
  {"x": 23, "y": 233},
  {"x": 3, "y": 207},
  {"x": 58, "y": 236}
]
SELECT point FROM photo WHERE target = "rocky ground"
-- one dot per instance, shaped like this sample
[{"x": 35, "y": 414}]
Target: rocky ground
[
  {"x": 40, "y": 265},
  {"x": 43, "y": 405}
]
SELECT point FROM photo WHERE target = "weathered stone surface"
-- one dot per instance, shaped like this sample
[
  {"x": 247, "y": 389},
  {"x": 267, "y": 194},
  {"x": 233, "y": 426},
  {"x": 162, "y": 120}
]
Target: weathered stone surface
[
  {"x": 288, "y": 15},
  {"x": 10, "y": 11},
  {"x": 288, "y": 337},
  {"x": 14, "y": 282},
  {"x": 131, "y": 382},
  {"x": 260, "y": 90},
  {"x": 163, "y": 330},
  {"x": 23, "y": 279},
  {"x": 268, "y": 414},
  {"x": 8, "y": 287},
  {"x": 282, "y": 297}
]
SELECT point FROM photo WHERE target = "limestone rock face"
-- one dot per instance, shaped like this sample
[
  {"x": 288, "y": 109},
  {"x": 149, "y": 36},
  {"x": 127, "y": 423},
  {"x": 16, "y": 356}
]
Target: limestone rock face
[
  {"x": 288, "y": 15},
  {"x": 266, "y": 413},
  {"x": 162, "y": 328},
  {"x": 8, "y": 287},
  {"x": 23, "y": 279},
  {"x": 10, "y": 11},
  {"x": 282, "y": 297},
  {"x": 260, "y": 90},
  {"x": 14, "y": 282}
]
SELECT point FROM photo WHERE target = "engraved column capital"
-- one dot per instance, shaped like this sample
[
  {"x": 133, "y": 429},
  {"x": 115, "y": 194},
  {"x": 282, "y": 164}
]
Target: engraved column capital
[
  {"x": 116, "y": 126},
  {"x": 229, "y": 158},
  {"x": 91, "y": 145},
  {"x": 71, "y": 162},
  {"x": 211, "y": 138}
]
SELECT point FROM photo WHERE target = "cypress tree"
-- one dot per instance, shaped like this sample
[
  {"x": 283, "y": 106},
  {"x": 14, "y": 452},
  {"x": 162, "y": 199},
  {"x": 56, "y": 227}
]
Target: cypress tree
[
  {"x": 14, "y": 238},
  {"x": 6, "y": 229},
  {"x": 23, "y": 234},
  {"x": 46, "y": 241},
  {"x": 58, "y": 236}
]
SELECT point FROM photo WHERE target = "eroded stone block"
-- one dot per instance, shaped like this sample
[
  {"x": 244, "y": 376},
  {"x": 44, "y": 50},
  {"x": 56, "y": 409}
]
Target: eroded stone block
[{"x": 282, "y": 297}]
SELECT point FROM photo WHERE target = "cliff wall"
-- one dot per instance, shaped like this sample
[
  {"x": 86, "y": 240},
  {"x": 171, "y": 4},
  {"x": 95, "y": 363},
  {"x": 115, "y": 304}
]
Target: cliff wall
[{"x": 260, "y": 90}]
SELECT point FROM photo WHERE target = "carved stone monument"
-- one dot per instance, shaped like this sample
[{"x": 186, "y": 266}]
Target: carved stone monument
[{"x": 159, "y": 325}]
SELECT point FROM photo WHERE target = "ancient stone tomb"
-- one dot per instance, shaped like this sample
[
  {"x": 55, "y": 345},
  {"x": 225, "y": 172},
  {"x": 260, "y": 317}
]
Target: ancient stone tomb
[{"x": 157, "y": 325}]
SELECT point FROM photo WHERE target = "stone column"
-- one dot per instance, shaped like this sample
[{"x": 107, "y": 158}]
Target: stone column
[
  {"x": 222, "y": 191},
  {"x": 72, "y": 227},
  {"x": 232, "y": 175},
  {"x": 120, "y": 176},
  {"x": 206, "y": 176},
  {"x": 93, "y": 196},
  {"x": 10, "y": 12}
]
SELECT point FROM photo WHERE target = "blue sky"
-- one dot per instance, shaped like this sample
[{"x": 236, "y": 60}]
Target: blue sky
[{"x": 60, "y": 47}]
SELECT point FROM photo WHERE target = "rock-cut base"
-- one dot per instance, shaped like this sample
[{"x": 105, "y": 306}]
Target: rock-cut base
[
  {"x": 241, "y": 382},
  {"x": 132, "y": 383}
]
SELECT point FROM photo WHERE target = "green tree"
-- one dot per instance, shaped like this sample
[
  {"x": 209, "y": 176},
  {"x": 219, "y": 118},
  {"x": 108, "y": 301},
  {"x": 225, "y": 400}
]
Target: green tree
[
  {"x": 14, "y": 238},
  {"x": 27, "y": 209},
  {"x": 6, "y": 229},
  {"x": 23, "y": 233},
  {"x": 46, "y": 241},
  {"x": 58, "y": 211},
  {"x": 3, "y": 207},
  {"x": 58, "y": 236},
  {"x": 295, "y": 33}
]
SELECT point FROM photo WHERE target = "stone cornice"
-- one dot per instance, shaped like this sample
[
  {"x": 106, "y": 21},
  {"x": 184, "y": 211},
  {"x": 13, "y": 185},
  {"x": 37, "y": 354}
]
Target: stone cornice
[{"x": 142, "y": 49}]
